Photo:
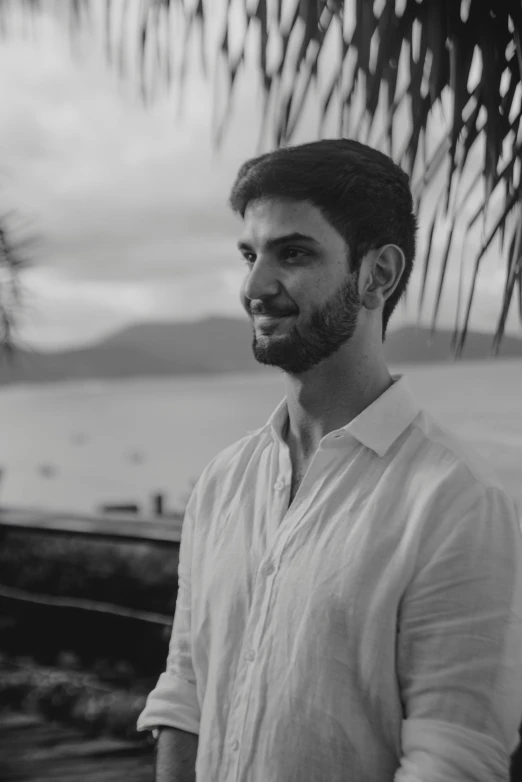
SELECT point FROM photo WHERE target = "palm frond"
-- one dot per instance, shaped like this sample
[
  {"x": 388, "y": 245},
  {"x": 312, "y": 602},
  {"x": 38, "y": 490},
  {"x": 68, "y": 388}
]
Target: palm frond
[
  {"x": 428, "y": 256},
  {"x": 15, "y": 244},
  {"x": 462, "y": 61}
]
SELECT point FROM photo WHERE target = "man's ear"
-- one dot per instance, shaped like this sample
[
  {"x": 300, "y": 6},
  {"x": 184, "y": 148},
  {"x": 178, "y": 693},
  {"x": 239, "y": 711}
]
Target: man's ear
[{"x": 381, "y": 270}]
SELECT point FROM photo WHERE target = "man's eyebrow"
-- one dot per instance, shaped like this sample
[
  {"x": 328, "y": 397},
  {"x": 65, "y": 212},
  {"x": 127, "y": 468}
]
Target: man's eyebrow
[{"x": 272, "y": 244}]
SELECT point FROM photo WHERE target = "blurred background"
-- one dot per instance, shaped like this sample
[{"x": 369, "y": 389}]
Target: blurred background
[{"x": 126, "y": 357}]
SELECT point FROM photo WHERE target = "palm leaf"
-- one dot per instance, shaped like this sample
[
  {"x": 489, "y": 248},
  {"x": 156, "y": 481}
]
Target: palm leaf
[
  {"x": 296, "y": 104},
  {"x": 520, "y": 293},
  {"x": 16, "y": 244},
  {"x": 514, "y": 264},
  {"x": 455, "y": 334},
  {"x": 442, "y": 275},
  {"x": 487, "y": 114},
  {"x": 461, "y": 54},
  {"x": 508, "y": 208},
  {"x": 427, "y": 258}
]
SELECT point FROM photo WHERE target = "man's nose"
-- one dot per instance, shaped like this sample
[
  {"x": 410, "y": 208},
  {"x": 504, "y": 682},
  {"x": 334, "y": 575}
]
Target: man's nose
[{"x": 262, "y": 281}]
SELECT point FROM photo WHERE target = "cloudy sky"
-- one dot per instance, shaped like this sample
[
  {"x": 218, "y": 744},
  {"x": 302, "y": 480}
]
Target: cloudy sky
[{"x": 129, "y": 202}]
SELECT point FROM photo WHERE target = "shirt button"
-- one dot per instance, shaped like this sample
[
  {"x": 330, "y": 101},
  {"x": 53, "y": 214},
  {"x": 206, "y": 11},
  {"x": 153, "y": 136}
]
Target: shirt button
[
  {"x": 267, "y": 568},
  {"x": 250, "y": 655},
  {"x": 235, "y": 745},
  {"x": 279, "y": 485}
]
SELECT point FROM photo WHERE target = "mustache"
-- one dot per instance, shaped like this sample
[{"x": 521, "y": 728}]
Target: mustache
[{"x": 270, "y": 311}]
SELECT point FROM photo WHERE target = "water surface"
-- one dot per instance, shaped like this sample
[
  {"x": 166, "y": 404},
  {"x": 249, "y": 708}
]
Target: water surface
[{"x": 74, "y": 445}]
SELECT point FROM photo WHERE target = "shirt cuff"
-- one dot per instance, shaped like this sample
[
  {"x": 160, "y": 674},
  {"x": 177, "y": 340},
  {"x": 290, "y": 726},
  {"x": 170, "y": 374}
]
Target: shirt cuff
[
  {"x": 437, "y": 751},
  {"x": 173, "y": 703}
]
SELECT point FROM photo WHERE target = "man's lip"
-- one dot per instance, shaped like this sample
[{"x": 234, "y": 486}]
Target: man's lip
[
  {"x": 273, "y": 316},
  {"x": 270, "y": 322}
]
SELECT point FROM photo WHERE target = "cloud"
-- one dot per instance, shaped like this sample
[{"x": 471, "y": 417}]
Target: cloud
[{"x": 93, "y": 309}]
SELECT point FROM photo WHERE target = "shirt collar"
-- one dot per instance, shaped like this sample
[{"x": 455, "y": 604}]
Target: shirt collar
[{"x": 377, "y": 427}]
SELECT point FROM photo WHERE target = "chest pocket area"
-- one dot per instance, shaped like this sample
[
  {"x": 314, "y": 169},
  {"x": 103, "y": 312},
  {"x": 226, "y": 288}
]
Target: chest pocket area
[{"x": 330, "y": 633}]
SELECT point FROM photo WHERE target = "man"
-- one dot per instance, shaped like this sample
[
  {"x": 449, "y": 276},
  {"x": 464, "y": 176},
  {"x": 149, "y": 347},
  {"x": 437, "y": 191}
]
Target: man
[{"x": 350, "y": 577}]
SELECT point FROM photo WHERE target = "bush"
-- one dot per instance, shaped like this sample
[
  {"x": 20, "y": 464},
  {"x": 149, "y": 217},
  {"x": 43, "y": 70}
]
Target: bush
[
  {"x": 139, "y": 576},
  {"x": 74, "y": 698},
  {"x": 136, "y": 575}
]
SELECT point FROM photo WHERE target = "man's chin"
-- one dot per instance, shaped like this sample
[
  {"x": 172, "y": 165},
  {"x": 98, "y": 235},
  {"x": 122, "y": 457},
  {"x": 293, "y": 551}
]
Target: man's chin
[
  {"x": 285, "y": 360},
  {"x": 289, "y": 367},
  {"x": 270, "y": 357},
  {"x": 268, "y": 348}
]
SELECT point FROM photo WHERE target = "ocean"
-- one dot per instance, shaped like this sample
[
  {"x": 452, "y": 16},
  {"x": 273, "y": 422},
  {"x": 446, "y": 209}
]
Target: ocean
[{"x": 73, "y": 446}]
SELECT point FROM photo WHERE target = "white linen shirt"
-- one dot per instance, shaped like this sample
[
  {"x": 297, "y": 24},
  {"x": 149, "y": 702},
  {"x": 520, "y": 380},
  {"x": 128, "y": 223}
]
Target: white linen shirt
[{"x": 371, "y": 632}]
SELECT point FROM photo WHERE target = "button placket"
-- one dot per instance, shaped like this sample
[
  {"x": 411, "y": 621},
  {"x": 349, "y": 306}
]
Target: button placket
[
  {"x": 280, "y": 502},
  {"x": 242, "y": 685},
  {"x": 294, "y": 515}
]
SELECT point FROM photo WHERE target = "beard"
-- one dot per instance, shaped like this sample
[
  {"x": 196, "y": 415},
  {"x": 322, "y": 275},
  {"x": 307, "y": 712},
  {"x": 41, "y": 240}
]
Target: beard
[{"x": 328, "y": 329}]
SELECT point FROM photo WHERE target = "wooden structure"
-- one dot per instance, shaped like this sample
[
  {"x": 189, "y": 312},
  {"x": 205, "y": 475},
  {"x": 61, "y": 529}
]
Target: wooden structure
[{"x": 165, "y": 530}]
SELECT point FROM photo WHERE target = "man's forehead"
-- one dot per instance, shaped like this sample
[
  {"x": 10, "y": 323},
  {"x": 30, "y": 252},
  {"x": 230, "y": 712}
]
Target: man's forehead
[
  {"x": 267, "y": 219},
  {"x": 279, "y": 207}
]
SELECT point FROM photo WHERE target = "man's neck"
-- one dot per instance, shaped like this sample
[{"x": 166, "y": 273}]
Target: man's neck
[{"x": 329, "y": 397}]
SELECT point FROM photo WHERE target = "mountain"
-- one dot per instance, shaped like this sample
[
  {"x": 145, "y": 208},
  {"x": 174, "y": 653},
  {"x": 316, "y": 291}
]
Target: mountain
[
  {"x": 145, "y": 350},
  {"x": 213, "y": 345},
  {"x": 412, "y": 344}
]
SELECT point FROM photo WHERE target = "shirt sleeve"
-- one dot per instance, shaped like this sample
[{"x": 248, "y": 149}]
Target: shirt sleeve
[
  {"x": 459, "y": 651},
  {"x": 173, "y": 702}
]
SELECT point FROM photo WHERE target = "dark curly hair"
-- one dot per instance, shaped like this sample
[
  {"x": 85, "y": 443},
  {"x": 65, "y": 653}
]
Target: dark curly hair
[{"x": 362, "y": 193}]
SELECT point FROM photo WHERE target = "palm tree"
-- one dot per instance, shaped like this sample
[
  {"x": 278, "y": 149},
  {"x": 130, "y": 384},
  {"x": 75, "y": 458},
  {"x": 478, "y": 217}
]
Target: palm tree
[
  {"x": 434, "y": 83},
  {"x": 13, "y": 258}
]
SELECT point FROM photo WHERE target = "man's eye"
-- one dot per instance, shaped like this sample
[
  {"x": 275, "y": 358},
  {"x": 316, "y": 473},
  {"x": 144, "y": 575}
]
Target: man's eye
[
  {"x": 292, "y": 252},
  {"x": 249, "y": 258}
]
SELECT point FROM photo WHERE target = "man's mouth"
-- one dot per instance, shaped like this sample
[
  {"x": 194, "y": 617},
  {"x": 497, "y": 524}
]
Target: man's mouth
[{"x": 272, "y": 317}]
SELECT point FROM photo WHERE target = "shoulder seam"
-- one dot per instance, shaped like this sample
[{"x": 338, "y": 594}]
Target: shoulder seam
[{"x": 484, "y": 476}]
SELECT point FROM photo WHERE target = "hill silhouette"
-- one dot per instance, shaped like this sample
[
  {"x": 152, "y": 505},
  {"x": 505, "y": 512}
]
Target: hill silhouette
[{"x": 213, "y": 345}]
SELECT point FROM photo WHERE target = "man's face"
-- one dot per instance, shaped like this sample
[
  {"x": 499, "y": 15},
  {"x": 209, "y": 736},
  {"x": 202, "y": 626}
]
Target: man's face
[{"x": 299, "y": 293}]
